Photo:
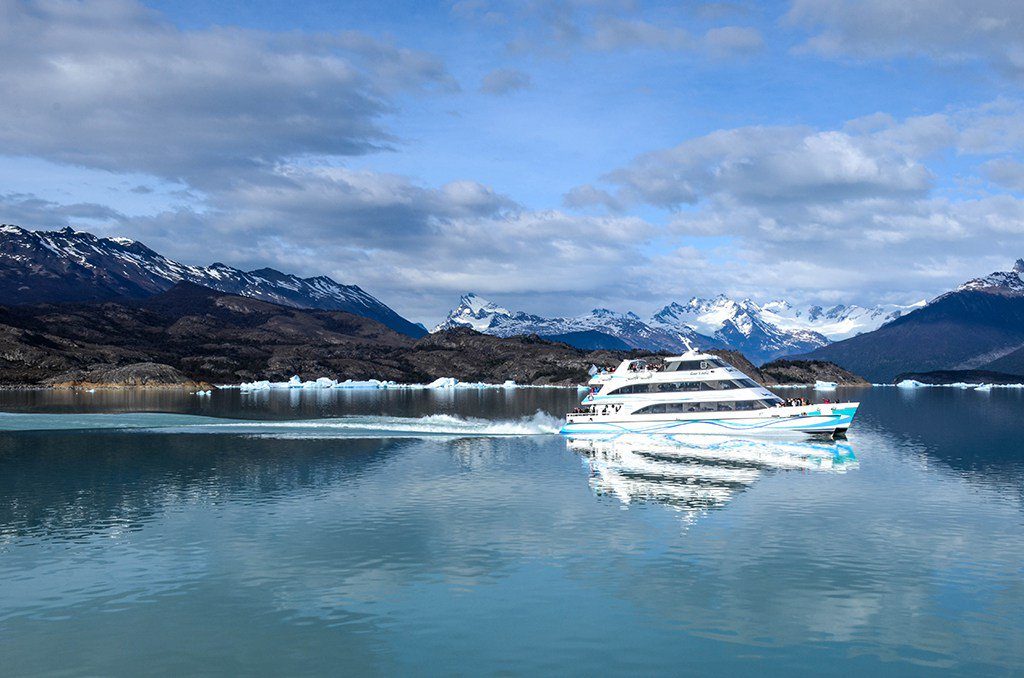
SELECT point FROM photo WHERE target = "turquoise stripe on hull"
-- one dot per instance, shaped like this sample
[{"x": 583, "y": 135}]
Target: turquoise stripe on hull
[{"x": 815, "y": 422}]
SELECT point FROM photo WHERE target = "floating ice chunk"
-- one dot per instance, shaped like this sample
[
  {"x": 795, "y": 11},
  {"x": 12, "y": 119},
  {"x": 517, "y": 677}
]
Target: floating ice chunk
[
  {"x": 91, "y": 390},
  {"x": 296, "y": 382},
  {"x": 825, "y": 385},
  {"x": 910, "y": 383},
  {"x": 984, "y": 387}
]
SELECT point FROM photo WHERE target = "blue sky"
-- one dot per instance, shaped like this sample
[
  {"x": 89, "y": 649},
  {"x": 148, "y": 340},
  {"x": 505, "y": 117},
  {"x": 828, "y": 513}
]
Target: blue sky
[{"x": 554, "y": 156}]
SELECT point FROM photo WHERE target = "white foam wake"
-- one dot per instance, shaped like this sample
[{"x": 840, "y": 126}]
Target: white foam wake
[{"x": 356, "y": 426}]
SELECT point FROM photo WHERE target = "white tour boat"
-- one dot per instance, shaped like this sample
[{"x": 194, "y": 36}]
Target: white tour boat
[{"x": 695, "y": 393}]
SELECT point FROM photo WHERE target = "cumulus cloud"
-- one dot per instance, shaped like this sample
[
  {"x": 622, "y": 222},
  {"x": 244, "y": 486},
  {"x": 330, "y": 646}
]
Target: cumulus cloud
[
  {"x": 828, "y": 213},
  {"x": 112, "y": 85},
  {"x": 771, "y": 164},
  {"x": 944, "y": 30},
  {"x": 505, "y": 81}
]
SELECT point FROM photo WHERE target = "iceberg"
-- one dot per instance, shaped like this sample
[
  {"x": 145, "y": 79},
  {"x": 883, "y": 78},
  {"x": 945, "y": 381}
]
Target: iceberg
[
  {"x": 910, "y": 383},
  {"x": 825, "y": 385},
  {"x": 322, "y": 383}
]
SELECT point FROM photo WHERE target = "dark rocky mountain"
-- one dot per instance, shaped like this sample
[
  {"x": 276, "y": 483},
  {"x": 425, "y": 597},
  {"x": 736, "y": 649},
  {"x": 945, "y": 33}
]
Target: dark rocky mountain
[
  {"x": 980, "y": 325},
  {"x": 590, "y": 340},
  {"x": 1011, "y": 363},
  {"x": 75, "y": 266},
  {"x": 808, "y": 372},
  {"x": 134, "y": 375},
  {"x": 214, "y": 337}
]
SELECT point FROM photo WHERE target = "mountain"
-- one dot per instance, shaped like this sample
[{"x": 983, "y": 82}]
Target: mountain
[
  {"x": 837, "y": 322},
  {"x": 75, "y": 266},
  {"x": 763, "y": 333},
  {"x": 481, "y": 315},
  {"x": 740, "y": 325},
  {"x": 1009, "y": 283},
  {"x": 977, "y": 326},
  {"x": 590, "y": 340},
  {"x": 192, "y": 334}
]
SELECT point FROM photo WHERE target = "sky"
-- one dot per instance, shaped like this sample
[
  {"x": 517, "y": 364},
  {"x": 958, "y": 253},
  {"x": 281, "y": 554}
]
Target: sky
[{"x": 552, "y": 156}]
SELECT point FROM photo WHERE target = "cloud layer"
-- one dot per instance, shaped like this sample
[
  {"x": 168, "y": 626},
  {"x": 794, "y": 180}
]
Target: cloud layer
[{"x": 275, "y": 147}]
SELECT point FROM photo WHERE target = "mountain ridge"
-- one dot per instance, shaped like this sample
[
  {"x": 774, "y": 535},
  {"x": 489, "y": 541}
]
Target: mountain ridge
[
  {"x": 68, "y": 265},
  {"x": 763, "y": 332},
  {"x": 977, "y": 326}
]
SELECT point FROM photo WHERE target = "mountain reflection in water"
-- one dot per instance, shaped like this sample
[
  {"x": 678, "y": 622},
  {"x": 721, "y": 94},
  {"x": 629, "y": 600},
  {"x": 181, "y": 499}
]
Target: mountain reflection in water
[{"x": 698, "y": 473}]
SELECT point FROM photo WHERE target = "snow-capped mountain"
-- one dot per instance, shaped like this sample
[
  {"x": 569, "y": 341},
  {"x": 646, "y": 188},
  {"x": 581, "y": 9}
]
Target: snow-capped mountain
[
  {"x": 482, "y": 315},
  {"x": 1000, "y": 282},
  {"x": 70, "y": 265},
  {"x": 836, "y": 322},
  {"x": 762, "y": 333},
  {"x": 740, "y": 325},
  {"x": 977, "y": 326}
]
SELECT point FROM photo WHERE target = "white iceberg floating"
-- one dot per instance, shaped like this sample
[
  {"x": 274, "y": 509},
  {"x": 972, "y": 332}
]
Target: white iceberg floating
[
  {"x": 323, "y": 383},
  {"x": 911, "y": 383},
  {"x": 825, "y": 385}
]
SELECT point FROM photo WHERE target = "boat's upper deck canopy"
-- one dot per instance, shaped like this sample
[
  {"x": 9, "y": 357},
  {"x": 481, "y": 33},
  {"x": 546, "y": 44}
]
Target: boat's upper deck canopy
[{"x": 690, "y": 361}]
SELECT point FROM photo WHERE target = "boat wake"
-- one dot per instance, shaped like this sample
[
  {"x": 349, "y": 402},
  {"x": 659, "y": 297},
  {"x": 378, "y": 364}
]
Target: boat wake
[{"x": 355, "y": 426}]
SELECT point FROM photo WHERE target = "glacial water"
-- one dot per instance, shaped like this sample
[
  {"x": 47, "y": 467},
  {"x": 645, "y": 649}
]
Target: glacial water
[{"x": 440, "y": 533}]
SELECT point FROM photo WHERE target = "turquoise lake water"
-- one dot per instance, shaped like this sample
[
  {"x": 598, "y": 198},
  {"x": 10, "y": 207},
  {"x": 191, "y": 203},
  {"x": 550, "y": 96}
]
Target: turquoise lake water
[{"x": 396, "y": 533}]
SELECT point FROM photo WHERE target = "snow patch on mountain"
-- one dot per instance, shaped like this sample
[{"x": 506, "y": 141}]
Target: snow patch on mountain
[
  {"x": 70, "y": 265},
  {"x": 999, "y": 282},
  {"x": 762, "y": 332},
  {"x": 740, "y": 325},
  {"x": 836, "y": 322},
  {"x": 484, "y": 316}
]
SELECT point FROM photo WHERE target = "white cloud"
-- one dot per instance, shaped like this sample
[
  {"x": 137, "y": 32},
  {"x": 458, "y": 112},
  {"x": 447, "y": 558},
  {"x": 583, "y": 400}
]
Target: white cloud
[
  {"x": 112, "y": 85},
  {"x": 947, "y": 31},
  {"x": 827, "y": 213}
]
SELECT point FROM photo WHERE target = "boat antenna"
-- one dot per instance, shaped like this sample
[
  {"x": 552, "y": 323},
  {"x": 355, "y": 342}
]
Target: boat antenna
[{"x": 690, "y": 348}]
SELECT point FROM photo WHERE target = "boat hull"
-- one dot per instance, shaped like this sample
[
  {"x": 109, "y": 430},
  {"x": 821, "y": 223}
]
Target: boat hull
[{"x": 809, "y": 420}]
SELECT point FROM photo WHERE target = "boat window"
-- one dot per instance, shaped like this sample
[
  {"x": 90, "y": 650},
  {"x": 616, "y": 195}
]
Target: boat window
[
  {"x": 688, "y": 365},
  {"x": 707, "y": 406},
  {"x": 683, "y": 386}
]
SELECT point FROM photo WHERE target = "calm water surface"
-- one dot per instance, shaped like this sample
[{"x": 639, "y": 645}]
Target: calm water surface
[{"x": 302, "y": 533}]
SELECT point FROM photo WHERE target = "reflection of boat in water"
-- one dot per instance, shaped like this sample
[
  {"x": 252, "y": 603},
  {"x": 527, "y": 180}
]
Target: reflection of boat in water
[
  {"x": 696, "y": 473},
  {"x": 696, "y": 393}
]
